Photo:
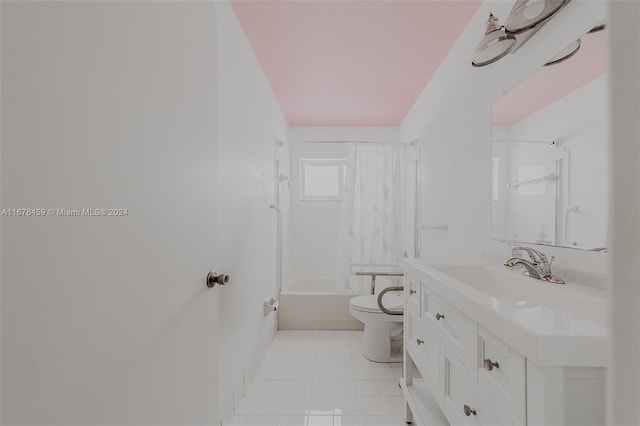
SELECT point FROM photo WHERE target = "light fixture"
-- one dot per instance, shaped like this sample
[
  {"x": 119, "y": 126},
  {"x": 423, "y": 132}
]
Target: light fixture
[
  {"x": 565, "y": 53},
  {"x": 526, "y": 14},
  {"x": 495, "y": 44},
  {"x": 597, "y": 28}
]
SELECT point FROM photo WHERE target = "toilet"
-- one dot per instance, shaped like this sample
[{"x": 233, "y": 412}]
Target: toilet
[{"x": 382, "y": 340}]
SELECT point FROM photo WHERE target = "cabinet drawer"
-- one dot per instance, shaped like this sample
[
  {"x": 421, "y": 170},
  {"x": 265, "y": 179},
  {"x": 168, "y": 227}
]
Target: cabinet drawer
[
  {"x": 424, "y": 347},
  {"x": 455, "y": 328},
  {"x": 412, "y": 289},
  {"x": 462, "y": 403},
  {"x": 501, "y": 376}
]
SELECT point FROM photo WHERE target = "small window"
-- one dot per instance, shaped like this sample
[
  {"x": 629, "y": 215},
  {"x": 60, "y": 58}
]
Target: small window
[{"x": 322, "y": 179}]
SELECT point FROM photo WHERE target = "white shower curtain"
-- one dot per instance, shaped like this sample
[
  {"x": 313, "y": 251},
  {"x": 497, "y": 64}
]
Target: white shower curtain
[{"x": 377, "y": 210}]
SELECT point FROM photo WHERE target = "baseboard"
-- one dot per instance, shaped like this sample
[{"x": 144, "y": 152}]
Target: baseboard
[{"x": 320, "y": 325}]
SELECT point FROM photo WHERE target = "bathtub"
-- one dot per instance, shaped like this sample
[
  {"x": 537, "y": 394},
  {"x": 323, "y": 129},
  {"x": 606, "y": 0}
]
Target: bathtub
[{"x": 309, "y": 305}]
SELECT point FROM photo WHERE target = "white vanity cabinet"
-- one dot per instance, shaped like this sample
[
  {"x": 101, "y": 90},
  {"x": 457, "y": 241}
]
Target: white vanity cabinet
[{"x": 482, "y": 370}]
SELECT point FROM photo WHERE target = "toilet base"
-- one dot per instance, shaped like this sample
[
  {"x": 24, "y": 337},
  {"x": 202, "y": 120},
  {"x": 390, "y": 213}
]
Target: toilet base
[{"x": 381, "y": 344}]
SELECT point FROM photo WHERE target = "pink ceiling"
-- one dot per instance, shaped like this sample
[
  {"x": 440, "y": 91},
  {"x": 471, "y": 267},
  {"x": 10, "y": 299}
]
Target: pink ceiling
[
  {"x": 551, "y": 83},
  {"x": 351, "y": 63}
]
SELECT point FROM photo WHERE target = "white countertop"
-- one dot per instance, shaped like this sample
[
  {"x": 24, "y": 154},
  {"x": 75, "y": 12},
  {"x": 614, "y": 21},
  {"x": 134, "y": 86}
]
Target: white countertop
[{"x": 550, "y": 324}]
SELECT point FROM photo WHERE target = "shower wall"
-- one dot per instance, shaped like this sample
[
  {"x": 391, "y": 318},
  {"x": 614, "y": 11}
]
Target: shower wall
[{"x": 313, "y": 226}]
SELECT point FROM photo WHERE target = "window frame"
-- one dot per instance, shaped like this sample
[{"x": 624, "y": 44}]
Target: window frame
[{"x": 342, "y": 165}]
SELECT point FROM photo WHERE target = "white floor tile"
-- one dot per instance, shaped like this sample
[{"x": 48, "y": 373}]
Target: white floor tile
[
  {"x": 295, "y": 404},
  {"x": 373, "y": 421},
  {"x": 303, "y": 372},
  {"x": 366, "y": 388},
  {"x": 294, "y": 420},
  {"x": 360, "y": 361},
  {"x": 322, "y": 386},
  {"x": 343, "y": 372},
  {"x": 345, "y": 406},
  {"x": 396, "y": 369},
  {"x": 324, "y": 359},
  {"x": 323, "y": 373},
  {"x": 269, "y": 387},
  {"x": 371, "y": 406},
  {"x": 320, "y": 421},
  {"x": 321, "y": 405},
  {"x": 363, "y": 373},
  {"x": 341, "y": 336},
  {"x": 300, "y": 387},
  {"x": 319, "y": 378},
  {"x": 342, "y": 360},
  {"x": 396, "y": 420},
  {"x": 282, "y": 373},
  {"x": 393, "y": 405},
  {"x": 347, "y": 421},
  {"x": 264, "y": 373},
  {"x": 344, "y": 388},
  {"x": 260, "y": 404},
  {"x": 342, "y": 348},
  {"x": 382, "y": 373},
  {"x": 255, "y": 420},
  {"x": 388, "y": 388}
]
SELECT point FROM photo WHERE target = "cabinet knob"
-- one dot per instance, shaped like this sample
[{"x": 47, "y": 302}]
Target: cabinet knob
[
  {"x": 412, "y": 292},
  {"x": 468, "y": 410},
  {"x": 214, "y": 278},
  {"x": 439, "y": 316},
  {"x": 419, "y": 341},
  {"x": 488, "y": 364}
]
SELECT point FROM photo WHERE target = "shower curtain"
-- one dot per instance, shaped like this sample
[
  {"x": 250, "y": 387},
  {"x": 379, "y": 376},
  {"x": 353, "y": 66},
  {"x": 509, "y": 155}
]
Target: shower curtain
[{"x": 377, "y": 211}]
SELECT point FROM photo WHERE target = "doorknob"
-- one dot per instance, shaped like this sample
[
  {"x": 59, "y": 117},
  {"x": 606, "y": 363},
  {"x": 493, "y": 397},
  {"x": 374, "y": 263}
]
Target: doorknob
[{"x": 213, "y": 278}]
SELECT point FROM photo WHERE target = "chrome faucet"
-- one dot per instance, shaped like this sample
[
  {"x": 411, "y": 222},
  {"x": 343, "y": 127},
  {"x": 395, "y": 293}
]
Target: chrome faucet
[{"x": 537, "y": 266}]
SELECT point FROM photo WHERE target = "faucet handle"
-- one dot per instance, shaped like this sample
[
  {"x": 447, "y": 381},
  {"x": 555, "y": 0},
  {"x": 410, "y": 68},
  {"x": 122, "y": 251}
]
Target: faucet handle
[{"x": 535, "y": 255}]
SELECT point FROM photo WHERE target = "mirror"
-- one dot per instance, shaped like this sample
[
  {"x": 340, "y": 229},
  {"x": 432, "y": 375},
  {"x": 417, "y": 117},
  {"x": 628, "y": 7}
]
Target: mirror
[{"x": 550, "y": 154}]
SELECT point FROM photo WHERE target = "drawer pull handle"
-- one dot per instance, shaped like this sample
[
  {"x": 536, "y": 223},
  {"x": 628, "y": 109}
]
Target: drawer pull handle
[
  {"x": 468, "y": 410},
  {"x": 419, "y": 341},
  {"x": 488, "y": 364},
  {"x": 412, "y": 292},
  {"x": 439, "y": 316}
]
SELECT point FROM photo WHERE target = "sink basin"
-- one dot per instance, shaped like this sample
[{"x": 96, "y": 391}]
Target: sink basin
[{"x": 509, "y": 285}]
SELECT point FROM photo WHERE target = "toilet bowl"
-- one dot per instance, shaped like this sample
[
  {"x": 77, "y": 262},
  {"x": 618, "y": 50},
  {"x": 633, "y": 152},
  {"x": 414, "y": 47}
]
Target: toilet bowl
[{"x": 382, "y": 340}]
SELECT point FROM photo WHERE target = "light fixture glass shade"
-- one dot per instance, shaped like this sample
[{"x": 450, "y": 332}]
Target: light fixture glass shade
[
  {"x": 565, "y": 53},
  {"x": 495, "y": 44},
  {"x": 526, "y": 14}
]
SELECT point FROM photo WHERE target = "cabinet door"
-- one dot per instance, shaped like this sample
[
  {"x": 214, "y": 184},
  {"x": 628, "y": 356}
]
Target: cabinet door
[
  {"x": 412, "y": 292},
  {"x": 501, "y": 377},
  {"x": 423, "y": 345},
  {"x": 462, "y": 403}
]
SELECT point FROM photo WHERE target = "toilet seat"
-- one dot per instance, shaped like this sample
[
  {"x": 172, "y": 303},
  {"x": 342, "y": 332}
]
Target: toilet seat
[{"x": 369, "y": 303}]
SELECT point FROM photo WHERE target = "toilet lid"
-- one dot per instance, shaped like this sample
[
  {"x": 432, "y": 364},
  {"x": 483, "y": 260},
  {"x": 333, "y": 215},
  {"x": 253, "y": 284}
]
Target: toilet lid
[{"x": 392, "y": 300}]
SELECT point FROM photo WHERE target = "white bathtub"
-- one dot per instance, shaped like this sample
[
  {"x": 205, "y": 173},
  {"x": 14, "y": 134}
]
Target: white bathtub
[{"x": 310, "y": 305}]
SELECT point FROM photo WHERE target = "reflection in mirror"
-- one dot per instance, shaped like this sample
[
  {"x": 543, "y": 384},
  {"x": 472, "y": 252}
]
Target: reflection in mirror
[{"x": 550, "y": 154}]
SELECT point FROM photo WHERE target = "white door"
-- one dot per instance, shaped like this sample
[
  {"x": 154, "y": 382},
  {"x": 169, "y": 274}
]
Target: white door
[{"x": 106, "y": 319}]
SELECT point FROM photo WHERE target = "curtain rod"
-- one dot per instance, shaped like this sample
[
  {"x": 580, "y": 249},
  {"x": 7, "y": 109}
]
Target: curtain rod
[{"x": 412, "y": 143}]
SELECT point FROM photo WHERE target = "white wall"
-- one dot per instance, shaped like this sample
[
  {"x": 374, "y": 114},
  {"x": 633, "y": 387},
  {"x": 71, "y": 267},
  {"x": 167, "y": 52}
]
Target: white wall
[
  {"x": 106, "y": 320},
  {"x": 452, "y": 121},
  {"x": 250, "y": 121},
  {"x": 624, "y": 315},
  {"x": 314, "y": 225}
]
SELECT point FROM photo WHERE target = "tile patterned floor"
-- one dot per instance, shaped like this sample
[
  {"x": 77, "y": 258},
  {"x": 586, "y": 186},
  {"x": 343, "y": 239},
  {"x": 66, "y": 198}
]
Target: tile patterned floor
[{"x": 319, "y": 378}]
